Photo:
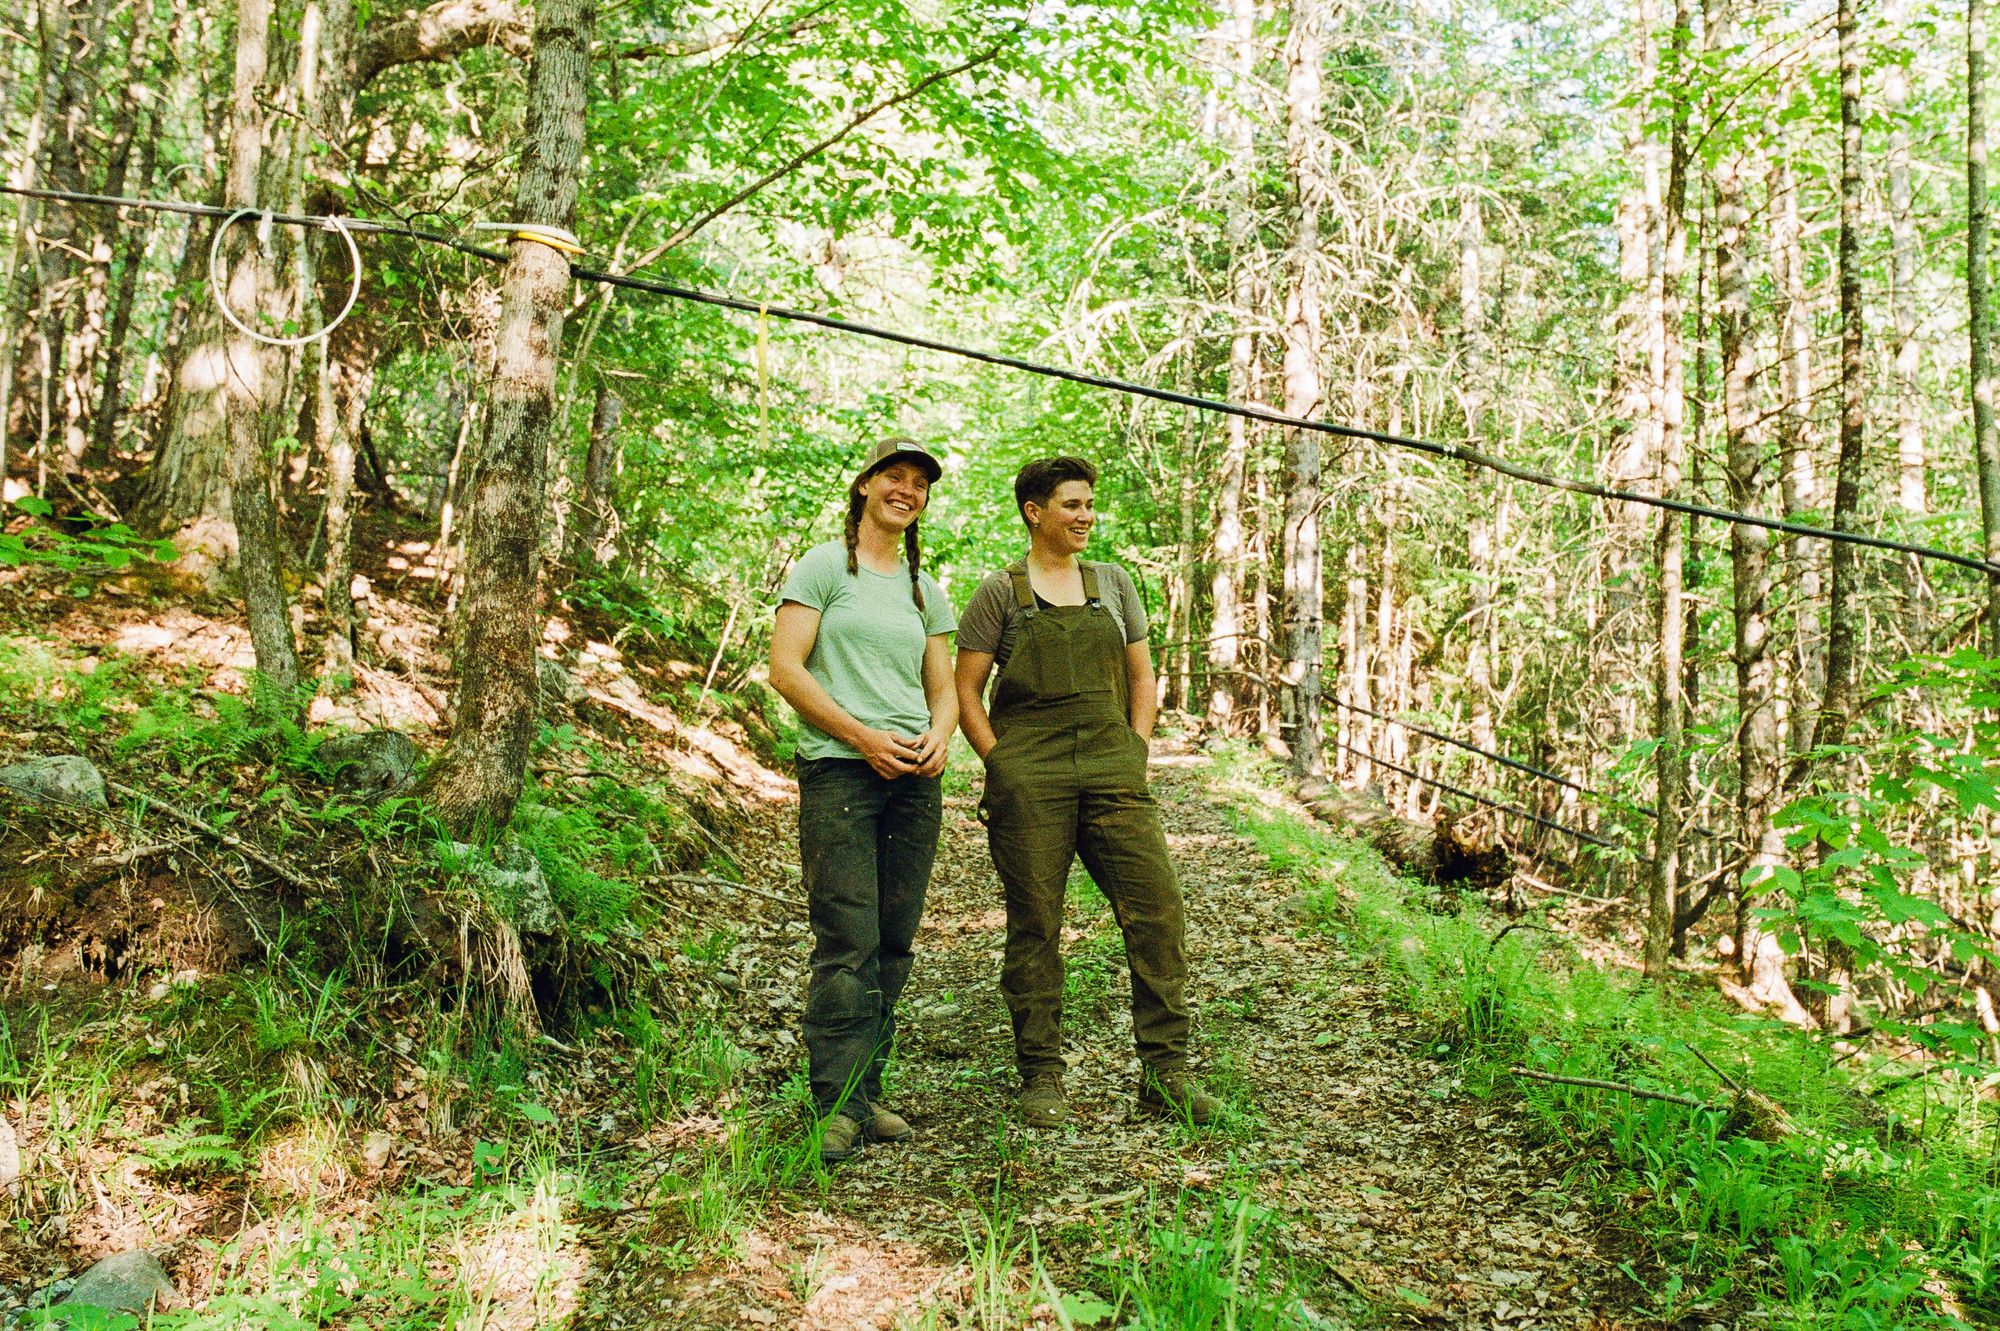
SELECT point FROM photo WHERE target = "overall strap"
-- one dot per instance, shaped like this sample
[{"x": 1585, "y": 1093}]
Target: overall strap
[
  {"x": 1090, "y": 595},
  {"x": 1024, "y": 591}
]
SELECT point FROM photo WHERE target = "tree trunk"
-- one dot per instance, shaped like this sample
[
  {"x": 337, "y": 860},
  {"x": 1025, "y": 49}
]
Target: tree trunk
[
  {"x": 1910, "y": 468},
  {"x": 64, "y": 52},
  {"x": 477, "y": 780},
  {"x": 17, "y": 295},
  {"x": 252, "y": 378},
  {"x": 1986, "y": 438},
  {"x": 1303, "y": 599},
  {"x": 596, "y": 516},
  {"x": 95, "y": 319},
  {"x": 1620, "y": 632},
  {"x": 1670, "y": 759},
  {"x": 1226, "y": 656},
  {"x": 341, "y": 406},
  {"x": 110, "y": 392},
  {"x": 1479, "y": 490},
  {"x": 1842, "y": 609},
  {"x": 1758, "y": 753},
  {"x": 1179, "y": 681},
  {"x": 1799, "y": 483}
]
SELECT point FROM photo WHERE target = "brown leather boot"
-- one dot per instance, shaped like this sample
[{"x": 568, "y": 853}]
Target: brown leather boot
[
  {"x": 1177, "y": 1095},
  {"x": 839, "y": 1139},
  {"x": 888, "y": 1126},
  {"x": 1042, "y": 1103}
]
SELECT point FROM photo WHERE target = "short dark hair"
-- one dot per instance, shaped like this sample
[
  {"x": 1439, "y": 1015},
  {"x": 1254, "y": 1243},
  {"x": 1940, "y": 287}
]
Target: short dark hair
[{"x": 1034, "y": 483}]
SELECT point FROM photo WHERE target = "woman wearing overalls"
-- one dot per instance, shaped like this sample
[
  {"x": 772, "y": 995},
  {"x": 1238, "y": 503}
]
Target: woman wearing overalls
[
  {"x": 859, "y": 651},
  {"x": 1065, "y": 749}
]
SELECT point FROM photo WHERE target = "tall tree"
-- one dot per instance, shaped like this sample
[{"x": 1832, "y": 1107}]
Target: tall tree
[
  {"x": 1798, "y": 476},
  {"x": 1227, "y": 617},
  {"x": 476, "y": 781},
  {"x": 1979, "y": 299},
  {"x": 1670, "y": 756},
  {"x": 1911, "y": 486},
  {"x": 253, "y": 373},
  {"x": 1842, "y": 608},
  {"x": 1758, "y": 747},
  {"x": 1481, "y": 494},
  {"x": 1304, "y": 600}
]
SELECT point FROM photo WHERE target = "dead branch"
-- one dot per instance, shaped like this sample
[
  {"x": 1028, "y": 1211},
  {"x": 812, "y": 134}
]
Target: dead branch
[
  {"x": 214, "y": 833},
  {"x": 1640, "y": 1092},
  {"x": 706, "y": 880},
  {"x": 1541, "y": 886}
]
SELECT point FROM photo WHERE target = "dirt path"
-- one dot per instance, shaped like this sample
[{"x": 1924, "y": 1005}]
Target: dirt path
[{"x": 1403, "y": 1198}]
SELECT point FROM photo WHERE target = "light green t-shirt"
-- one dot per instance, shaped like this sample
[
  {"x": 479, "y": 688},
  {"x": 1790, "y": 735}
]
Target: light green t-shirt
[{"x": 869, "y": 654}]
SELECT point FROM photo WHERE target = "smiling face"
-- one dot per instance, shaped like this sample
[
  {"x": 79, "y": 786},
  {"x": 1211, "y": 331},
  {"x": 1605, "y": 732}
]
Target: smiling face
[
  {"x": 895, "y": 496},
  {"x": 1062, "y": 525}
]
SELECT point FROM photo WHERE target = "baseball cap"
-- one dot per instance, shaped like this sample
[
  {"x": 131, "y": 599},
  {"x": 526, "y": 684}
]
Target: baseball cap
[{"x": 901, "y": 448}]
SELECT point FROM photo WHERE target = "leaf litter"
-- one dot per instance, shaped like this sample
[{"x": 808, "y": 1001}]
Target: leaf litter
[{"x": 1402, "y": 1196}]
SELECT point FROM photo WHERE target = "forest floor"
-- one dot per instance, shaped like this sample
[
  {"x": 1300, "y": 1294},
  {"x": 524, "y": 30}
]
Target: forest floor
[
  {"x": 254, "y": 1086},
  {"x": 1387, "y": 1190}
]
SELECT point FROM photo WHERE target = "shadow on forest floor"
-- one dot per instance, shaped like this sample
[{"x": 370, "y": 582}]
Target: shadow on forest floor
[{"x": 1383, "y": 1189}]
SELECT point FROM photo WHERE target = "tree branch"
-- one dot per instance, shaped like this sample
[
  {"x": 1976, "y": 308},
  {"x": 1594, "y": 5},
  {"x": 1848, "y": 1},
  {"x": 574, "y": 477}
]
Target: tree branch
[
  {"x": 441, "y": 32},
  {"x": 687, "y": 231},
  {"x": 448, "y": 29},
  {"x": 1594, "y": 1084},
  {"x": 701, "y": 43}
]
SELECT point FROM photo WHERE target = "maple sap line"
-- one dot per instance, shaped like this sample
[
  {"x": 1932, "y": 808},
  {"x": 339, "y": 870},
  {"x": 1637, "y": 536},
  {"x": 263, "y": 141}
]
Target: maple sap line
[
  {"x": 1590, "y": 838},
  {"x": 362, "y": 226},
  {"x": 1528, "y": 769},
  {"x": 1456, "y": 452}
]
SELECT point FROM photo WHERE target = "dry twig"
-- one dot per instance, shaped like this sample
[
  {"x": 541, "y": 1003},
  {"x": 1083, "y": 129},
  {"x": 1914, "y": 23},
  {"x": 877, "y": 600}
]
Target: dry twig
[
  {"x": 207, "y": 829},
  {"x": 1593, "y": 1083}
]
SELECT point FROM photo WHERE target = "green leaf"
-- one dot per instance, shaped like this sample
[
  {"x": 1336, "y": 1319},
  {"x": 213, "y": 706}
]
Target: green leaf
[
  {"x": 534, "y": 1113},
  {"x": 1086, "y": 1309},
  {"x": 35, "y": 506}
]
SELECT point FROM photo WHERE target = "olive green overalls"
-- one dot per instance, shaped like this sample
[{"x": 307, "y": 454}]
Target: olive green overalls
[{"x": 1067, "y": 777}]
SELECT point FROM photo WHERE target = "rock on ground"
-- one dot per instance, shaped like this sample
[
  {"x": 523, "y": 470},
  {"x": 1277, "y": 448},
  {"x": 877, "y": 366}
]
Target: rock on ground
[
  {"x": 514, "y": 885},
  {"x": 373, "y": 765},
  {"x": 62, "y": 779},
  {"x": 129, "y": 1282}
]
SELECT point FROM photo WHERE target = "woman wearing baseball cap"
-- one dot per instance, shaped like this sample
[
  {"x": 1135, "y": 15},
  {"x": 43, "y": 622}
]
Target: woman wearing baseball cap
[{"x": 860, "y": 651}]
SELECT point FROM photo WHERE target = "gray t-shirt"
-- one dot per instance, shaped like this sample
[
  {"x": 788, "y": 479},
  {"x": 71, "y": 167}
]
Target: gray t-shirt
[
  {"x": 990, "y": 616},
  {"x": 869, "y": 653}
]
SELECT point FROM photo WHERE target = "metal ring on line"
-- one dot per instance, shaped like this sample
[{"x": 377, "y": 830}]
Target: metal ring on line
[{"x": 334, "y": 224}]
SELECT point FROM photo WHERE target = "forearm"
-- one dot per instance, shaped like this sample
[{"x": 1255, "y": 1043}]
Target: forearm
[
  {"x": 978, "y": 727},
  {"x": 944, "y": 712},
  {"x": 940, "y": 689},
  {"x": 1145, "y": 700}
]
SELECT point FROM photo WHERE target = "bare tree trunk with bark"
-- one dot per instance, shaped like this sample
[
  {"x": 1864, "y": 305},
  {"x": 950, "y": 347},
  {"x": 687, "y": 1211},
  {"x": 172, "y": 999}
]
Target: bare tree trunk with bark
[
  {"x": 1227, "y": 620},
  {"x": 1911, "y": 485},
  {"x": 1759, "y": 754},
  {"x": 341, "y": 404},
  {"x": 1979, "y": 298},
  {"x": 1303, "y": 607},
  {"x": 1798, "y": 477},
  {"x": 1670, "y": 758},
  {"x": 476, "y": 781},
  {"x": 1842, "y": 610},
  {"x": 1480, "y": 492},
  {"x": 110, "y": 392},
  {"x": 595, "y": 520},
  {"x": 253, "y": 377}
]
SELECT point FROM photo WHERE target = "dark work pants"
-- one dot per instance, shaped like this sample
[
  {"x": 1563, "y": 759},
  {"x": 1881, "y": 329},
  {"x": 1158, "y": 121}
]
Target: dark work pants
[
  {"x": 1054, "y": 794},
  {"x": 866, "y": 844}
]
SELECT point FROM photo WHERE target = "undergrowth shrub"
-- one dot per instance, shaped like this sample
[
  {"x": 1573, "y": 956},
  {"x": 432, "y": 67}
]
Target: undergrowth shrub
[{"x": 1841, "y": 1216}]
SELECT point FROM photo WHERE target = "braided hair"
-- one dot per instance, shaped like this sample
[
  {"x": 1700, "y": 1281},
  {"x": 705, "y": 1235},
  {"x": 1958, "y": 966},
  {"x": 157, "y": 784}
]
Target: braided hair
[{"x": 851, "y": 532}]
